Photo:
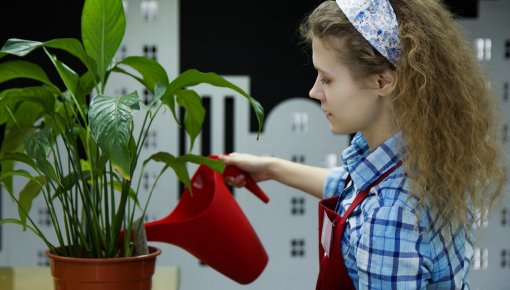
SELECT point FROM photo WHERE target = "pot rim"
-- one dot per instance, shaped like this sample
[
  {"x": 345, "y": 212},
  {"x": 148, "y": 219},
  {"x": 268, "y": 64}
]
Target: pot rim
[{"x": 153, "y": 252}]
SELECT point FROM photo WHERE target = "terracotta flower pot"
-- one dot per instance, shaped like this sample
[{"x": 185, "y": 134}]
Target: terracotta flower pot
[{"x": 131, "y": 273}]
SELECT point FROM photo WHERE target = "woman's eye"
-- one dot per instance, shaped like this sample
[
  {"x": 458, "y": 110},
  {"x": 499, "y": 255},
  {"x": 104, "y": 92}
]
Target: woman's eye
[{"x": 324, "y": 81}]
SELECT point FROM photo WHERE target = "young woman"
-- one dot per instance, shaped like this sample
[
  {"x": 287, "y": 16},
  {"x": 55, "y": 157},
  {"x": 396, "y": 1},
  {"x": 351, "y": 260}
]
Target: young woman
[{"x": 424, "y": 164}]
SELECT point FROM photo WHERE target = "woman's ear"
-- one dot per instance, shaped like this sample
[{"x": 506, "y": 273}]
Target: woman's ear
[{"x": 386, "y": 82}]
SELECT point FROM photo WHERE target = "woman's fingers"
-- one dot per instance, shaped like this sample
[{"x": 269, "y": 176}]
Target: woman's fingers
[{"x": 238, "y": 181}]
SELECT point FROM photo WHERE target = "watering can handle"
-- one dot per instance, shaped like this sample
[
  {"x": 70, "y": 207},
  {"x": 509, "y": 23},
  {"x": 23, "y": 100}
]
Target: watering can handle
[{"x": 251, "y": 185}]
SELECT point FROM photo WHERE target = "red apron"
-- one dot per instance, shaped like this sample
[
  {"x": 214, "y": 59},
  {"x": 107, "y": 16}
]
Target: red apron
[{"x": 333, "y": 274}]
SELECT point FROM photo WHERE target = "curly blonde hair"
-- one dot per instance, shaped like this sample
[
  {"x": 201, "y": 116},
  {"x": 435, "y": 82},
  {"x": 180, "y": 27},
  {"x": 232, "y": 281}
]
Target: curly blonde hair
[{"x": 442, "y": 105}]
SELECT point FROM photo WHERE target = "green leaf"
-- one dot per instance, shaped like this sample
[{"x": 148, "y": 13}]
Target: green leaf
[
  {"x": 37, "y": 95},
  {"x": 58, "y": 124},
  {"x": 161, "y": 92},
  {"x": 85, "y": 165},
  {"x": 10, "y": 173},
  {"x": 95, "y": 159},
  {"x": 69, "y": 181},
  {"x": 194, "y": 77},
  {"x": 120, "y": 70},
  {"x": 24, "y": 225},
  {"x": 170, "y": 161},
  {"x": 11, "y": 221},
  {"x": 26, "y": 114},
  {"x": 111, "y": 122},
  {"x": 195, "y": 113},
  {"x": 38, "y": 146},
  {"x": 74, "y": 47},
  {"x": 20, "y": 47},
  {"x": 86, "y": 84},
  {"x": 22, "y": 69},
  {"x": 4, "y": 113},
  {"x": 178, "y": 164},
  {"x": 151, "y": 71},
  {"x": 6, "y": 167},
  {"x": 70, "y": 78},
  {"x": 103, "y": 25},
  {"x": 11, "y": 143},
  {"x": 214, "y": 164},
  {"x": 19, "y": 104},
  {"x": 27, "y": 195},
  {"x": 19, "y": 157}
]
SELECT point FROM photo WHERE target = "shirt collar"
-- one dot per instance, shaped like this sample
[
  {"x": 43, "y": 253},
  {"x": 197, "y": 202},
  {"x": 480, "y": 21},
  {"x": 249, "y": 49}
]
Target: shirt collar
[{"x": 366, "y": 166}]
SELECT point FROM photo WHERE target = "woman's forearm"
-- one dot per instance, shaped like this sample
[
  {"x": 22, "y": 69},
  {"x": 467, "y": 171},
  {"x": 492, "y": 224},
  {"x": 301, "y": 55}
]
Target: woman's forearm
[{"x": 306, "y": 178}]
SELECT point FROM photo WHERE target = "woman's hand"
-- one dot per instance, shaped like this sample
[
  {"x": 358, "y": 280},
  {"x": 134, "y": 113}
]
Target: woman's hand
[{"x": 256, "y": 166}]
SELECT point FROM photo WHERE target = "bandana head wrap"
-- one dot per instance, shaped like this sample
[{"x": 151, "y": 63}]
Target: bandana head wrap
[{"x": 377, "y": 23}]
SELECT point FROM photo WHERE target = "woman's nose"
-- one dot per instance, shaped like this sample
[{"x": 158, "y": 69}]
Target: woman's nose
[{"x": 316, "y": 91}]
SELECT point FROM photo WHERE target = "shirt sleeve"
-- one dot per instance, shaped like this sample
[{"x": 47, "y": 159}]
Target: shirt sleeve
[
  {"x": 335, "y": 182},
  {"x": 392, "y": 253}
]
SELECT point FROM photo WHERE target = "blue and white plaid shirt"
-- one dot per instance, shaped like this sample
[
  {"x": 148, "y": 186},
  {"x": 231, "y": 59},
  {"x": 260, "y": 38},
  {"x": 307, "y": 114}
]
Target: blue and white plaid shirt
[{"x": 382, "y": 246}]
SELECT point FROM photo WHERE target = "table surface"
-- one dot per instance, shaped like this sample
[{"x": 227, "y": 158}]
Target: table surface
[{"x": 39, "y": 278}]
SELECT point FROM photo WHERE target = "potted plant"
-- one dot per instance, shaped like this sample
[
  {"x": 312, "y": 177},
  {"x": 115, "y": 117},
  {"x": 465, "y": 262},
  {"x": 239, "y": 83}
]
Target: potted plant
[{"x": 82, "y": 146}]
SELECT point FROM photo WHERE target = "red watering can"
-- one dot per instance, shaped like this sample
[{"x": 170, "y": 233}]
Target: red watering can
[{"x": 211, "y": 226}]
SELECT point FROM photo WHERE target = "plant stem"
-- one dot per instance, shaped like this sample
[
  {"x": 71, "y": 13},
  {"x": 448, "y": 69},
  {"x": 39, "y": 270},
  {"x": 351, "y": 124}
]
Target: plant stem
[
  {"x": 142, "y": 130},
  {"x": 117, "y": 222},
  {"x": 57, "y": 160},
  {"x": 113, "y": 241},
  {"x": 106, "y": 210}
]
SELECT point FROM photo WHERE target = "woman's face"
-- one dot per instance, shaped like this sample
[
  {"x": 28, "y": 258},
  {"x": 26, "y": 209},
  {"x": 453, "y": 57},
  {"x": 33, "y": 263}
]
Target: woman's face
[{"x": 350, "y": 106}]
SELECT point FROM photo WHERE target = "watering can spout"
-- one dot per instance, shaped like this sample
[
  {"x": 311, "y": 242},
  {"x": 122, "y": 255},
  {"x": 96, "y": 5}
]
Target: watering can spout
[{"x": 211, "y": 226}]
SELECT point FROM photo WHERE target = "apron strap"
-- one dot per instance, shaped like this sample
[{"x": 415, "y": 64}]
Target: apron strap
[{"x": 363, "y": 194}]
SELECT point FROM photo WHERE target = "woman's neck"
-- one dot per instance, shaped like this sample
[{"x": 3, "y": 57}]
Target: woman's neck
[
  {"x": 374, "y": 139},
  {"x": 381, "y": 131}
]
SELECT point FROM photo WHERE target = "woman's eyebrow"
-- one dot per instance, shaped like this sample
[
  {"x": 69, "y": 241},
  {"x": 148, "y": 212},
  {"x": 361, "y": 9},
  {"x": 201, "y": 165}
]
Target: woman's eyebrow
[{"x": 321, "y": 70}]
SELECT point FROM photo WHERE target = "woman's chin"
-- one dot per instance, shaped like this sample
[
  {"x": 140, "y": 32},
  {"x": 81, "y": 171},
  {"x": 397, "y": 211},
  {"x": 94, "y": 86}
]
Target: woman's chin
[
  {"x": 340, "y": 131},
  {"x": 337, "y": 131}
]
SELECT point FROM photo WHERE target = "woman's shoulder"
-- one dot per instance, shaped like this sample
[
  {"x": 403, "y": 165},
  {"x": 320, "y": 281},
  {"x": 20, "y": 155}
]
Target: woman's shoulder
[{"x": 393, "y": 192}]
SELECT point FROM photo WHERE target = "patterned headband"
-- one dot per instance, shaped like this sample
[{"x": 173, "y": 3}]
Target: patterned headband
[{"x": 377, "y": 22}]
